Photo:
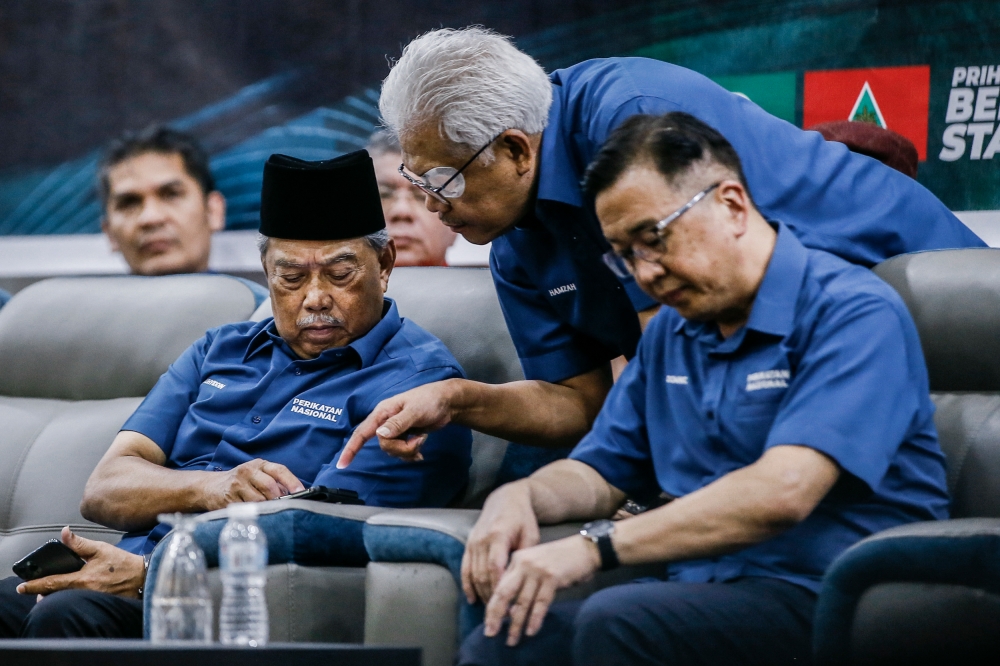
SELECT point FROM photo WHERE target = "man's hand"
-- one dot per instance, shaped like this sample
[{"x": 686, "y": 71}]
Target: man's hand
[
  {"x": 402, "y": 422},
  {"x": 253, "y": 481},
  {"x": 108, "y": 569},
  {"x": 530, "y": 583},
  {"x": 507, "y": 523}
]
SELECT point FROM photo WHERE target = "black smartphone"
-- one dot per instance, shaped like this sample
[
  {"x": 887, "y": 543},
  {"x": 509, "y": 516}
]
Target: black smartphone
[
  {"x": 328, "y": 495},
  {"x": 51, "y": 558}
]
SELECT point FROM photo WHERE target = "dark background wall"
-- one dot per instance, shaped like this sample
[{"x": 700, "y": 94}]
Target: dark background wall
[
  {"x": 250, "y": 77},
  {"x": 75, "y": 73}
]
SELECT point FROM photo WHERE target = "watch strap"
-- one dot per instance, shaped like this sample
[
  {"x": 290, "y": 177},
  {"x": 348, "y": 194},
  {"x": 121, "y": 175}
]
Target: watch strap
[{"x": 609, "y": 558}]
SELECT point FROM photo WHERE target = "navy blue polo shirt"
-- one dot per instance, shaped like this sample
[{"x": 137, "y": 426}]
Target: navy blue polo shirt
[
  {"x": 829, "y": 359},
  {"x": 566, "y": 311},
  {"x": 241, "y": 393}
]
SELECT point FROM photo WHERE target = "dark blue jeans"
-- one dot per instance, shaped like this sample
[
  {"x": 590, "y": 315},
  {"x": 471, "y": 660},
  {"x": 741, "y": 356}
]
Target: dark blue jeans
[
  {"x": 748, "y": 621},
  {"x": 67, "y": 614}
]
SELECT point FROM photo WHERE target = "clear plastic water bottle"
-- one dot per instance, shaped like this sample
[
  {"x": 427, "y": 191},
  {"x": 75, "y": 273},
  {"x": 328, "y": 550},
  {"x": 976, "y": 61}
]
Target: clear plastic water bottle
[
  {"x": 182, "y": 607},
  {"x": 243, "y": 563}
]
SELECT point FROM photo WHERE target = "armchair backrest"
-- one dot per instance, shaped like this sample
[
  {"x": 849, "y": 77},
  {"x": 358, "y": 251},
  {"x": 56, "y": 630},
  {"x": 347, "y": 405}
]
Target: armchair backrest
[
  {"x": 954, "y": 298},
  {"x": 76, "y": 357}
]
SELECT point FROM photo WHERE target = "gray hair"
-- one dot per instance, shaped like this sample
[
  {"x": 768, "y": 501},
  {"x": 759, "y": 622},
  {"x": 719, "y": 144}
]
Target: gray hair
[
  {"x": 472, "y": 83},
  {"x": 383, "y": 142},
  {"x": 378, "y": 241}
]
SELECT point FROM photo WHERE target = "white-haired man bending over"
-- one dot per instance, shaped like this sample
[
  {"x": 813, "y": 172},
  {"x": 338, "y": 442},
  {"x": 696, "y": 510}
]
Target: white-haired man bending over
[{"x": 500, "y": 150}]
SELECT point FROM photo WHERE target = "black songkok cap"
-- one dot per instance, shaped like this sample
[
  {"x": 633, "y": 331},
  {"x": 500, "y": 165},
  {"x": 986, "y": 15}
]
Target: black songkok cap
[{"x": 330, "y": 200}]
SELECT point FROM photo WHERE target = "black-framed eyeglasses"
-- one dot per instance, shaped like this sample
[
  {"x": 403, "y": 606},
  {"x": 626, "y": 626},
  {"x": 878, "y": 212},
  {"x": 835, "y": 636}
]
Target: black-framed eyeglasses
[
  {"x": 648, "y": 244},
  {"x": 452, "y": 182}
]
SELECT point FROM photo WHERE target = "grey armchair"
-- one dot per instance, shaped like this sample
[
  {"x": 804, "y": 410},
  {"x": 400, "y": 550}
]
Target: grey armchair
[
  {"x": 76, "y": 357},
  {"x": 930, "y": 592}
]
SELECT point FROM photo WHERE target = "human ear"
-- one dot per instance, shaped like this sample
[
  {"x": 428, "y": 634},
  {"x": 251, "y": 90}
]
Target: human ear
[
  {"x": 386, "y": 260},
  {"x": 215, "y": 210},
  {"x": 736, "y": 199},
  {"x": 520, "y": 148},
  {"x": 106, "y": 228}
]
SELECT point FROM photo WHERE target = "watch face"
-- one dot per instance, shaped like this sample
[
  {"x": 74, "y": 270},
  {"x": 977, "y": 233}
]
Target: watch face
[{"x": 598, "y": 528}]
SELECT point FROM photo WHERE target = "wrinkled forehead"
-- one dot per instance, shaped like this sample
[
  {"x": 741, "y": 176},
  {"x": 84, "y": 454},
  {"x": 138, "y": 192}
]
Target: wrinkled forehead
[
  {"x": 425, "y": 148},
  {"x": 310, "y": 254}
]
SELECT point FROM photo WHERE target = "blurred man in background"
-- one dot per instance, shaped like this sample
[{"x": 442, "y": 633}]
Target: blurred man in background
[
  {"x": 421, "y": 239},
  {"x": 160, "y": 202}
]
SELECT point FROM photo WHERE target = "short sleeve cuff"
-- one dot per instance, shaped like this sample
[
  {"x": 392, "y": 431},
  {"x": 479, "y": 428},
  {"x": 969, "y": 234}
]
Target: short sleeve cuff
[
  {"x": 622, "y": 475},
  {"x": 866, "y": 465},
  {"x": 146, "y": 423},
  {"x": 563, "y": 363}
]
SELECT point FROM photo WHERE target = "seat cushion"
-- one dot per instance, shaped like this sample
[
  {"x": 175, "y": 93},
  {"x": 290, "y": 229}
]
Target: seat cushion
[
  {"x": 48, "y": 449},
  {"x": 963, "y": 552},
  {"x": 968, "y": 427},
  {"x": 925, "y": 623}
]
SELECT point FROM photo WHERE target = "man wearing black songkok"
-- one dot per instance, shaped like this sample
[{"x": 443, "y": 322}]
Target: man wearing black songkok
[{"x": 257, "y": 410}]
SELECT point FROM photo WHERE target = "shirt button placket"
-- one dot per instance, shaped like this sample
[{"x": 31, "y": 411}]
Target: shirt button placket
[{"x": 716, "y": 376}]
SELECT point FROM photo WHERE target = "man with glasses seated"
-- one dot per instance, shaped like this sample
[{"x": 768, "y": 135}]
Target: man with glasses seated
[
  {"x": 500, "y": 150},
  {"x": 780, "y": 403}
]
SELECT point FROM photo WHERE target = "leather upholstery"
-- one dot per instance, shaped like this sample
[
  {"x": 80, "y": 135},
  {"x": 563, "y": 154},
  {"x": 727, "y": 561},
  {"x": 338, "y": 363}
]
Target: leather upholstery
[
  {"x": 954, "y": 298},
  {"x": 930, "y": 593},
  {"x": 76, "y": 355},
  {"x": 943, "y": 624},
  {"x": 98, "y": 338},
  {"x": 969, "y": 430}
]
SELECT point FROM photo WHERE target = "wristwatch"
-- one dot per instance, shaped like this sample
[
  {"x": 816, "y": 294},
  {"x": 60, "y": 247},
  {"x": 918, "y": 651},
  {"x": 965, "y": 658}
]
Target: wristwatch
[
  {"x": 600, "y": 531},
  {"x": 146, "y": 557}
]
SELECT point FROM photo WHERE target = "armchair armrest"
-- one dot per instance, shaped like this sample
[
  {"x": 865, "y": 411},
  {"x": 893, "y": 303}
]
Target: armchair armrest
[
  {"x": 962, "y": 552},
  {"x": 438, "y": 536},
  {"x": 298, "y": 531}
]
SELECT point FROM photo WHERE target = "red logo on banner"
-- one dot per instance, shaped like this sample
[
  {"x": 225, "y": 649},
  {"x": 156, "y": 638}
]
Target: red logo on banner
[{"x": 894, "y": 97}]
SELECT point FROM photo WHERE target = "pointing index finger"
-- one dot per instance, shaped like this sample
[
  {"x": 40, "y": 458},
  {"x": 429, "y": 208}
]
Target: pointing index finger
[{"x": 365, "y": 431}]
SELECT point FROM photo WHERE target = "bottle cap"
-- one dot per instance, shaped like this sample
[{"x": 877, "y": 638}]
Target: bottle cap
[{"x": 242, "y": 510}]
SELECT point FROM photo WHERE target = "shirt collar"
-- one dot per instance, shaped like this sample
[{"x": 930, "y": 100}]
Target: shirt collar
[
  {"x": 773, "y": 310},
  {"x": 774, "y": 307},
  {"x": 367, "y": 346},
  {"x": 557, "y": 178}
]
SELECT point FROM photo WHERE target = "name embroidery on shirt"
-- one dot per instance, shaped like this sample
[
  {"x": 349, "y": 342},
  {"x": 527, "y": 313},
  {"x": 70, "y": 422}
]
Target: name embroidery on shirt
[
  {"x": 768, "y": 379},
  {"x": 565, "y": 289},
  {"x": 316, "y": 410},
  {"x": 677, "y": 379},
  {"x": 212, "y": 382}
]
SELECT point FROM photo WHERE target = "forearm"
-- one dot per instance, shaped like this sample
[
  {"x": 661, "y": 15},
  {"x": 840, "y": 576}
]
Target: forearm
[
  {"x": 570, "y": 490},
  {"x": 743, "y": 508},
  {"x": 128, "y": 493},
  {"x": 529, "y": 412}
]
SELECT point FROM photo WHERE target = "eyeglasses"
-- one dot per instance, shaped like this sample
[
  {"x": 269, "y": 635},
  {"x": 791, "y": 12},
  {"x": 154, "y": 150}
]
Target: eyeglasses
[
  {"x": 648, "y": 244},
  {"x": 452, "y": 182}
]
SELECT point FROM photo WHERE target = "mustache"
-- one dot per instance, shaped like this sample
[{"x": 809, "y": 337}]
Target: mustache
[{"x": 309, "y": 320}]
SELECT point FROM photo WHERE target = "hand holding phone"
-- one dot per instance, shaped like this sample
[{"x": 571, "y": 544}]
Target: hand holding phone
[
  {"x": 328, "y": 495},
  {"x": 51, "y": 558}
]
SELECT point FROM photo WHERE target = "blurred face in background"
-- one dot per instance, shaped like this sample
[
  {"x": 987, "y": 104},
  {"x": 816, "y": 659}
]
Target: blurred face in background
[
  {"x": 158, "y": 217},
  {"x": 421, "y": 239}
]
